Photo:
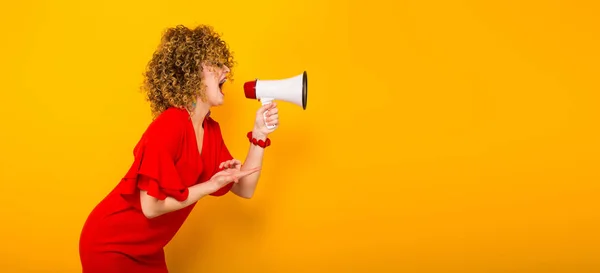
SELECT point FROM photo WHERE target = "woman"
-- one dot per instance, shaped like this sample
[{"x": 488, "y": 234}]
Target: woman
[{"x": 180, "y": 158}]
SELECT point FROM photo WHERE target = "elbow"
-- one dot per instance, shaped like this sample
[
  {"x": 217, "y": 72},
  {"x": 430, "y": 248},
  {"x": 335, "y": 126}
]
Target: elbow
[
  {"x": 149, "y": 213},
  {"x": 243, "y": 192},
  {"x": 245, "y": 195},
  {"x": 248, "y": 196},
  {"x": 149, "y": 206}
]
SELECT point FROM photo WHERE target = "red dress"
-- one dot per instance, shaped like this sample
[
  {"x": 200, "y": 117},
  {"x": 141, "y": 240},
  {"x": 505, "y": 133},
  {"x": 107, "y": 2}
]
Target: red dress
[{"x": 117, "y": 237}]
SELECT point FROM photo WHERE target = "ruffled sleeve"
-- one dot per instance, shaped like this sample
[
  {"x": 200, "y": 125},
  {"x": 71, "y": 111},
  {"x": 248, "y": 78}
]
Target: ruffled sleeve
[{"x": 154, "y": 169}]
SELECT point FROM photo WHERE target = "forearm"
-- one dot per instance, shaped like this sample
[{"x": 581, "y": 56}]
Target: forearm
[
  {"x": 246, "y": 185},
  {"x": 153, "y": 207}
]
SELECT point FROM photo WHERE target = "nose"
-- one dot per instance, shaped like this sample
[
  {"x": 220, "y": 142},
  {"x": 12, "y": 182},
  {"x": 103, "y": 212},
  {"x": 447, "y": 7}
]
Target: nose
[{"x": 226, "y": 69}]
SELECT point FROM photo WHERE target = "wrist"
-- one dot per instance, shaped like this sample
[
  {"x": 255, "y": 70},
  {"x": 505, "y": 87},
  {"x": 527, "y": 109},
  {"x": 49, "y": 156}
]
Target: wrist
[
  {"x": 215, "y": 185},
  {"x": 258, "y": 135},
  {"x": 258, "y": 139},
  {"x": 198, "y": 191}
]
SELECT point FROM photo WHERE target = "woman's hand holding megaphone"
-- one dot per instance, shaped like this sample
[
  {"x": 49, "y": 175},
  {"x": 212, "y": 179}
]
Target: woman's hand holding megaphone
[{"x": 266, "y": 115}]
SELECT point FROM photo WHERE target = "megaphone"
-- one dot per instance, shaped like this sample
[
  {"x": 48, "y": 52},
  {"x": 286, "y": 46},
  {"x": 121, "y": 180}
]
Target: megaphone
[{"x": 294, "y": 90}]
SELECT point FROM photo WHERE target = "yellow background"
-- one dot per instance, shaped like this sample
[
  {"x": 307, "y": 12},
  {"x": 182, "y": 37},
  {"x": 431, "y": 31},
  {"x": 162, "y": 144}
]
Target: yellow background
[{"x": 440, "y": 136}]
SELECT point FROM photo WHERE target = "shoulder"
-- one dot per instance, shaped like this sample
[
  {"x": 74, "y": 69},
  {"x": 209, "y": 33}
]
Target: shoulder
[
  {"x": 212, "y": 122},
  {"x": 171, "y": 120},
  {"x": 213, "y": 126},
  {"x": 214, "y": 133},
  {"x": 167, "y": 128}
]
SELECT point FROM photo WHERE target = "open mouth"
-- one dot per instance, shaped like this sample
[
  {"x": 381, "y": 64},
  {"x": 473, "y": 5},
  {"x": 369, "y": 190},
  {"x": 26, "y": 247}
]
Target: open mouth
[{"x": 221, "y": 85}]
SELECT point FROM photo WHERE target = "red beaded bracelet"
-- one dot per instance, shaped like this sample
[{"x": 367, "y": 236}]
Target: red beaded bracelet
[{"x": 260, "y": 142}]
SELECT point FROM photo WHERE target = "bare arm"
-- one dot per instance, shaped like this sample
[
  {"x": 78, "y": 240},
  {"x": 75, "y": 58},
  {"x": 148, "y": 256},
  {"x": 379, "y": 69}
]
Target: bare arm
[
  {"x": 153, "y": 207},
  {"x": 247, "y": 185}
]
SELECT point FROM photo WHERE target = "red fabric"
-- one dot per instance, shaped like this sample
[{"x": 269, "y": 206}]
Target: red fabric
[{"x": 117, "y": 237}]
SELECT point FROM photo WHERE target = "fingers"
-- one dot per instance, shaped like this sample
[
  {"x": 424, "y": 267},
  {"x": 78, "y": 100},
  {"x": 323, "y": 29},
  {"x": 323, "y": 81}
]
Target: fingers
[
  {"x": 273, "y": 119},
  {"x": 248, "y": 172},
  {"x": 272, "y": 111},
  {"x": 272, "y": 116},
  {"x": 241, "y": 173},
  {"x": 225, "y": 164},
  {"x": 234, "y": 163},
  {"x": 227, "y": 176},
  {"x": 235, "y": 176},
  {"x": 267, "y": 107},
  {"x": 226, "y": 179}
]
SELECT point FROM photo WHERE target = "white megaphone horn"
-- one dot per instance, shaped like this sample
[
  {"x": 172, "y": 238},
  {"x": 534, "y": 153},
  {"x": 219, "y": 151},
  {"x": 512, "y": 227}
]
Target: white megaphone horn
[{"x": 294, "y": 90}]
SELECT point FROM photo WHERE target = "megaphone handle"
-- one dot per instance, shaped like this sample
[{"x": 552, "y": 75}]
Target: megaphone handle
[{"x": 266, "y": 101}]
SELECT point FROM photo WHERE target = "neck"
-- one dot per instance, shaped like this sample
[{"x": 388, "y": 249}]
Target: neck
[{"x": 198, "y": 113}]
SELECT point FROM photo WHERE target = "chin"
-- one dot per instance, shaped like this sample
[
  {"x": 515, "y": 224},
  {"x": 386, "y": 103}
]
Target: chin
[
  {"x": 220, "y": 100},
  {"x": 217, "y": 99},
  {"x": 217, "y": 102}
]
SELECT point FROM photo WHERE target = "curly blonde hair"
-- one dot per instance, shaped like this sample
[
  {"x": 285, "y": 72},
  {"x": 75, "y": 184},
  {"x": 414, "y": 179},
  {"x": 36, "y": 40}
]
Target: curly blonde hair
[{"x": 173, "y": 76}]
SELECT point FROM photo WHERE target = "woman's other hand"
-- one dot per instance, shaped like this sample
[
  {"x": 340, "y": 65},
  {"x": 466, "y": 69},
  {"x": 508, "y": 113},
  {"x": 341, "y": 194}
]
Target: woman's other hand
[
  {"x": 231, "y": 164},
  {"x": 227, "y": 176}
]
